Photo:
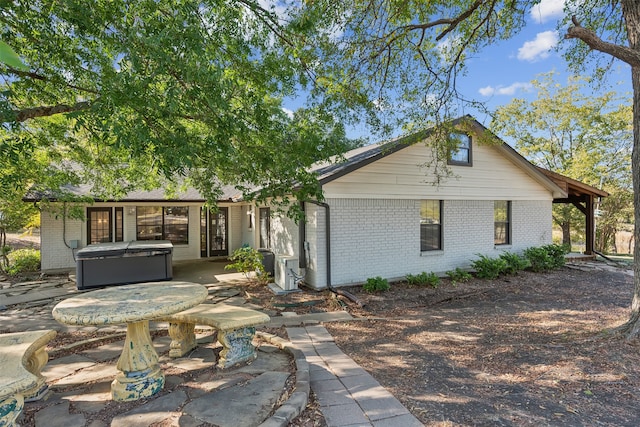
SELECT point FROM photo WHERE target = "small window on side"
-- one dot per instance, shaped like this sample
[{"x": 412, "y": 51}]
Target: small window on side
[
  {"x": 430, "y": 225},
  {"x": 502, "y": 222},
  {"x": 460, "y": 153}
]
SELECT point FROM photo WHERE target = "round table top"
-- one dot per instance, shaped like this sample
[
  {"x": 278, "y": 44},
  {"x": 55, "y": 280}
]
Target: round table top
[{"x": 129, "y": 303}]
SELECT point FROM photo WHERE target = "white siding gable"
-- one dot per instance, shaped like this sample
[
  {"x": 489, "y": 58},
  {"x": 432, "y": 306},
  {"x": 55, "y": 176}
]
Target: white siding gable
[{"x": 399, "y": 175}]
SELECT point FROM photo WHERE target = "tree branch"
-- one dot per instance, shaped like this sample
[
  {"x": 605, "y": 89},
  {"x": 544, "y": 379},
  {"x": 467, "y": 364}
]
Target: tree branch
[
  {"x": 44, "y": 111},
  {"x": 36, "y": 76},
  {"x": 623, "y": 53}
]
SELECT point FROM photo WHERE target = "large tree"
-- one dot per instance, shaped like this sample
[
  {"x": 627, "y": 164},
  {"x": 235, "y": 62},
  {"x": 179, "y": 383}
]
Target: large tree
[
  {"x": 125, "y": 94},
  {"x": 583, "y": 135}
]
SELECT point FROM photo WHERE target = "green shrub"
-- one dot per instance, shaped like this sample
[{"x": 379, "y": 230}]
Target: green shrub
[
  {"x": 375, "y": 284},
  {"x": 23, "y": 261},
  {"x": 514, "y": 262},
  {"x": 546, "y": 257},
  {"x": 538, "y": 258},
  {"x": 246, "y": 260},
  {"x": 489, "y": 268},
  {"x": 422, "y": 279},
  {"x": 458, "y": 276},
  {"x": 557, "y": 254}
]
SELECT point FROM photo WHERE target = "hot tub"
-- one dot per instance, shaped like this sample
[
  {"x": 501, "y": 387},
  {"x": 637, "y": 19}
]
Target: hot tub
[{"x": 121, "y": 263}]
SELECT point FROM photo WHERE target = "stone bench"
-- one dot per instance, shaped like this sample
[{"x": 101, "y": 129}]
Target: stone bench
[
  {"x": 22, "y": 357},
  {"x": 235, "y": 326}
]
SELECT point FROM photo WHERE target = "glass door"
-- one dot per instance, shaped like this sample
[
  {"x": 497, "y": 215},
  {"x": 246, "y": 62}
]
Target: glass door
[{"x": 218, "y": 229}]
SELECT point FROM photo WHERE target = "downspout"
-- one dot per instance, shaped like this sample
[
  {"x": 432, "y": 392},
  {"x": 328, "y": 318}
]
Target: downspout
[
  {"x": 328, "y": 250},
  {"x": 302, "y": 237}
]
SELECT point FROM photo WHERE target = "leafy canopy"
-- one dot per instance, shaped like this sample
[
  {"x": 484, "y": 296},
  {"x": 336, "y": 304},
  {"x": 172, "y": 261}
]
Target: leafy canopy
[
  {"x": 585, "y": 136},
  {"x": 134, "y": 94}
]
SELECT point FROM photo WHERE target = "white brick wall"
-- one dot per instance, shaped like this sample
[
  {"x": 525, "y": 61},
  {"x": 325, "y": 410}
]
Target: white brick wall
[
  {"x": 55, "y": 255},
  {"x": 284, "y": 234},
  {"x": 235, "y": 228},
  {"x": 371, "y": 237},
  {"x": 317, "y": 255}
]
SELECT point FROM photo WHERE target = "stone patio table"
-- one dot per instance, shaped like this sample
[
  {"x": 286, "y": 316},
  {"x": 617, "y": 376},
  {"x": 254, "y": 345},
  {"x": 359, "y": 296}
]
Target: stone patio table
[{"x": 140, "y": 375}]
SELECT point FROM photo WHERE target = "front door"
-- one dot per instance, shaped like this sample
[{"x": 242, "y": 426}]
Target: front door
[{"x": 218, "y": 232}]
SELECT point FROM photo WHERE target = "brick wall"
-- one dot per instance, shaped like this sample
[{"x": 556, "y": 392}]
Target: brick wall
[
  {"x": 55, "y": 255},
  {"x": 316, "y": 240},
  {"x": 372, "y": 237}
]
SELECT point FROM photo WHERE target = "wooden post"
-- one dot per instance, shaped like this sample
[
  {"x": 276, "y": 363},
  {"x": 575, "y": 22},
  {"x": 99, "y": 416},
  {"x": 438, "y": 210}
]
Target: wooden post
[{"x": 590, "y": 225}]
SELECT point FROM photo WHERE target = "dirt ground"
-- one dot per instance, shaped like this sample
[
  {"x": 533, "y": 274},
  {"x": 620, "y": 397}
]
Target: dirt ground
[{"x": 532, "y": 349}]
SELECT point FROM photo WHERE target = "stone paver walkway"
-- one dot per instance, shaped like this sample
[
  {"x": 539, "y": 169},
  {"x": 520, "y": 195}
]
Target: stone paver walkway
[{"x": 347, "y": 394}]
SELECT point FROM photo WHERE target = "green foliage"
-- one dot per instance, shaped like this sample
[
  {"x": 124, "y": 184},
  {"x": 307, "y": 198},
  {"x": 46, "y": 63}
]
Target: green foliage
[
  {"x": 489, "y": 268},
  {"x": 458, "y": 276},
  {"x": 193, "y": 90},
  {"x": 546, "y": 257},
  {"x": 376, "y": 284},
  {"x": 23, "y": 261},
  {"x": 423, "y": 279},
  {"x": 246, "y": 260},
  {"x": 514, "y": 262},
  {"x": 585, "y": 136},
  {"x": 10, "y": 58}
]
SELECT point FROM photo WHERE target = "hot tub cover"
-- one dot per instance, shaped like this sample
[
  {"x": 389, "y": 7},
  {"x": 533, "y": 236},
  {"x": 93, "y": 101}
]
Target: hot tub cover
[{"x": 121, "y": 249}]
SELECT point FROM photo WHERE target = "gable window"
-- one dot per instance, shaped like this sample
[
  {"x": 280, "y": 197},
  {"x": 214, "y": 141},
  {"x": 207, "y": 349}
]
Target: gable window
[
  {"x": 461, "y": 155},
  {"x": 430, "y": 225},
  {"x": 501, "y": 222},
  {"x": 163, "y": 223}
]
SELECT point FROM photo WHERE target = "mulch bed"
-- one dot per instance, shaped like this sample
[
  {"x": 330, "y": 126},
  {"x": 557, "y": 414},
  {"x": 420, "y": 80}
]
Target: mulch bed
[{"x": 534, "y": 349}]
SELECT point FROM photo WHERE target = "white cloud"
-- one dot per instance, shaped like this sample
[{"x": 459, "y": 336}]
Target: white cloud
[
  {"x": 505, "y": 90},
  {"x": 539, "y": 48},
  {"x": 288, "y": 112},
  {"x": 546, "y": 10},
  {"x": 280, "y": 8}
]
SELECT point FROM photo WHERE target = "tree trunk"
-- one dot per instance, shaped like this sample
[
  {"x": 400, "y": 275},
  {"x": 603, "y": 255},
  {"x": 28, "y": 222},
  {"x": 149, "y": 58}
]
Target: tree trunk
[
  {"x": 566, "y": 233},
  {"x": 631, "y": 13}
]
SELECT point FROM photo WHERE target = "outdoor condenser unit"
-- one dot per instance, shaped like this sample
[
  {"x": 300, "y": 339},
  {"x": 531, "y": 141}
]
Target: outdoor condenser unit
[{"x": 286, "y": 268}]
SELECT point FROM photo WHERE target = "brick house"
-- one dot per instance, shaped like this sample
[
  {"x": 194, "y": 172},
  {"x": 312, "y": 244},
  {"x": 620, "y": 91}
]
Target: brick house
[{"x": 380, "y": 215}]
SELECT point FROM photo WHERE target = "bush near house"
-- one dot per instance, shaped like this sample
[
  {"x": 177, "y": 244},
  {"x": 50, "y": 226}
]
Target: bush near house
[
  {"x": 546, "y": 257},
  {"x": 458, "y": 276},
  {"x": 489, "y": 268},
  {"x": 247, "y": 260},
  {"x": 514, "y": 262},
  {"x": 23, "y": 261},
  {"x": 541, "y": 258},
  {"x": 375, "y": 284},
  {"x": 423, "y": 279}
]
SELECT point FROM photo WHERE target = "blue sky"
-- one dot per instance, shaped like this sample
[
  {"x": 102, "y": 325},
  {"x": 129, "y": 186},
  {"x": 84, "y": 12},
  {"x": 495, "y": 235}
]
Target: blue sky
[{"x": 504, "y": 71}]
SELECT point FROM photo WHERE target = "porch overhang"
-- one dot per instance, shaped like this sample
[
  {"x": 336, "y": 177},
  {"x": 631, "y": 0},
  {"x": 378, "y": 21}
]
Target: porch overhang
[{"x": 583, "y": 197}]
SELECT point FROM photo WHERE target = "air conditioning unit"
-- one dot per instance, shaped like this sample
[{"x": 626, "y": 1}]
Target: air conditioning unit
[{"x": 286, "y": 269}]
